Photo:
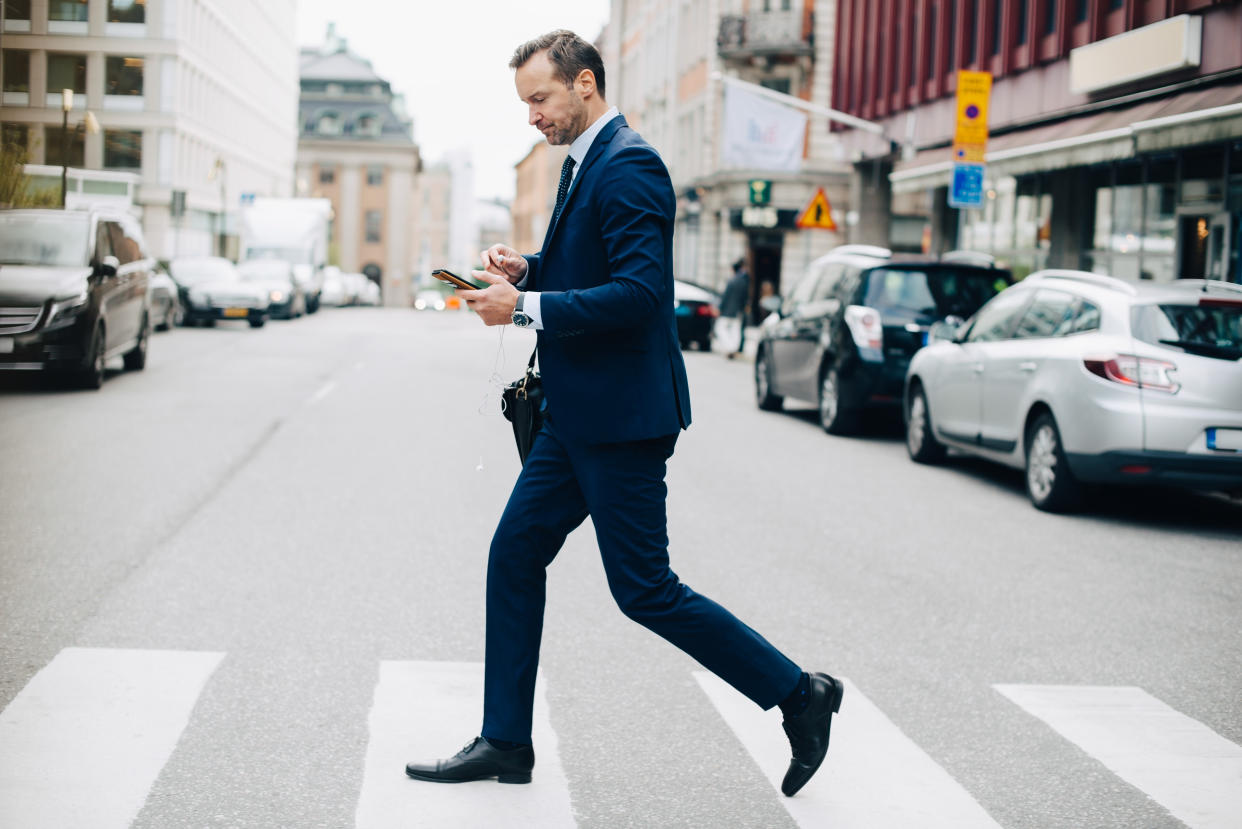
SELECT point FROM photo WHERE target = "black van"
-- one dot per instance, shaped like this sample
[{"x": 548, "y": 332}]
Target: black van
[
  {"x": 844, "y": 336},
  {"x": 73, "y": 292}
]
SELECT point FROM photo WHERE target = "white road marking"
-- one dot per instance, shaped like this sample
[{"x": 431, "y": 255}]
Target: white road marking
[
  {"x": 1179, "y": 762},
  {"x": 323, "y": 392},
  {"x": 874, "y": 776},
  {"x": 85, "y": 740},
  {"x": 428, "y": 710}
]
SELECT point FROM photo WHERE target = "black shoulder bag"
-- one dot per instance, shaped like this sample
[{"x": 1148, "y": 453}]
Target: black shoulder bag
[{"x": 522, "y": 404}]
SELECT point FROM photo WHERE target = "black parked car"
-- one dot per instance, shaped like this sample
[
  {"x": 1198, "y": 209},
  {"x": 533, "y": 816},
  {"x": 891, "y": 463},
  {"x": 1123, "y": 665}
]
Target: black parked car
[
  {"x": 696, "y": 310},
  {"x": 845, "y": 335},
  {"x": 73, "y": 292}
]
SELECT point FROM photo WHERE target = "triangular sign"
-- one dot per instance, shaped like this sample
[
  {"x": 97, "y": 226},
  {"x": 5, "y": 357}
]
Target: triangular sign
[{"x": 818, "y": 214}]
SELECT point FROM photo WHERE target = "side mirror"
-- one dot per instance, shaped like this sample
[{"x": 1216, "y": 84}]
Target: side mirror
[
  {"x": 944, "y": 331},
  {"x": 771, "y": 304},
  {"x": 108, "y": 266}
]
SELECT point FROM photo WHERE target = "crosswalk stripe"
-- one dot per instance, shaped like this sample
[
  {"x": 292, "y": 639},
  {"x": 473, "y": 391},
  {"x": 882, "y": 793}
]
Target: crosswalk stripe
[
  {"x": 428, "y": 710},
  {"x": 1177, "y": 761},
  {"x": 84, "y": 741},
  {"x": 874, "y": 776}
]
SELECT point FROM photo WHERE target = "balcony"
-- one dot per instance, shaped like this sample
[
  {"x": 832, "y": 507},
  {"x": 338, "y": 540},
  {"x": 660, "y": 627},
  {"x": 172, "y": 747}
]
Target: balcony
[{"x": 765, "y": 34}]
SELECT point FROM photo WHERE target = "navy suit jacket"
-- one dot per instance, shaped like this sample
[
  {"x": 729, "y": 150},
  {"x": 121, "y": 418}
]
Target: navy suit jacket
[{"x": 608, "y": 351}]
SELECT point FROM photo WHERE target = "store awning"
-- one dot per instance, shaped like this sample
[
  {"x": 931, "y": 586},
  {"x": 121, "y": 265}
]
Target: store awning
[{"x": 1196, "y": 117}]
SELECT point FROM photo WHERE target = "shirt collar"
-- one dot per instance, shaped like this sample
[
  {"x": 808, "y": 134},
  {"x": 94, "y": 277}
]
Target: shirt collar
[{"x": 582, "y": 143}]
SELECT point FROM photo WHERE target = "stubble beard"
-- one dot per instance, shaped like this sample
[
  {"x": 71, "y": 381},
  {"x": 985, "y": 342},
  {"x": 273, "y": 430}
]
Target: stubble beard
[{"x": 576, "y": 126}]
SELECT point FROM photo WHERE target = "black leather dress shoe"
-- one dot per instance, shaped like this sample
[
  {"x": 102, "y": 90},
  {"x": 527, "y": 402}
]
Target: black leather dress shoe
[
  {"x": 809, "y": 731},
  {"x": 479, "y": 760}
]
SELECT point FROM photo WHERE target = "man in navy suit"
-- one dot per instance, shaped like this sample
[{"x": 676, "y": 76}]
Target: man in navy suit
[{"x": 600, "y": 295}]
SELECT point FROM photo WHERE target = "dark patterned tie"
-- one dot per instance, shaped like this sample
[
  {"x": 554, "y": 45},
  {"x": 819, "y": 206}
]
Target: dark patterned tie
[{"x": 567, "y": 175}]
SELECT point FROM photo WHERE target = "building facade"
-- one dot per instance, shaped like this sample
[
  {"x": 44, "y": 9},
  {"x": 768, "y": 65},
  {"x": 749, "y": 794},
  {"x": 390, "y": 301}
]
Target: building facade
[
  {"x": 356, "y": 148},
  {"x": 1115, "y": 128},
  {"x": 538, "y": 174},
  {"x": 662, "y": 59},
  {"x": 196, "y": 100}
]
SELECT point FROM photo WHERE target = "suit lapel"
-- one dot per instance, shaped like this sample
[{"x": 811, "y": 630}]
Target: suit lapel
[{"x": 597, "y": 149}]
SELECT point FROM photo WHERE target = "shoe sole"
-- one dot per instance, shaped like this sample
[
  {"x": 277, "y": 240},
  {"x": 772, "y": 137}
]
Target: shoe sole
[{"x": 500, "y": 778}]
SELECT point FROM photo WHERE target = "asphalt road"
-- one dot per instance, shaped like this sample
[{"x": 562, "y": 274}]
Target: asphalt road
[{"x": 317, "y": 497}]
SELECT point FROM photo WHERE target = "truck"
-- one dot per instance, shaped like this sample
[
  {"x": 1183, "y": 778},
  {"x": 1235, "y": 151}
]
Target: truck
[{"x": 293, "y": 230}]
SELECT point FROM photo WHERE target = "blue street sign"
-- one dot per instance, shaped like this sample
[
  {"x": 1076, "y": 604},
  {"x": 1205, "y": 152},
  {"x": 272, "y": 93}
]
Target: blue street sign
[
  {"x": 247, "y": 198},
  {"x": 967, "y": 189}
]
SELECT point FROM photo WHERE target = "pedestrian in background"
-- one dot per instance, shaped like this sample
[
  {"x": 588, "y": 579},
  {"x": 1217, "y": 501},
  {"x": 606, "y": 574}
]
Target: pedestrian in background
[
  {"x": 731, "y": 325},
  {"x": 600, "y": 296}
]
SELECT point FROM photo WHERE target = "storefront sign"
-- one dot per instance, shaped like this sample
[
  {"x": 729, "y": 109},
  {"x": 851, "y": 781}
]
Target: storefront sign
[
  {"x": 760, "y": 191},
  {"x": 762, "y": 218}
]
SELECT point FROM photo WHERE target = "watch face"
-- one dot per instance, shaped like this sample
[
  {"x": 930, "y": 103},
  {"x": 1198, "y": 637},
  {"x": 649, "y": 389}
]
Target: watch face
[{"x": 520, "y": 319}]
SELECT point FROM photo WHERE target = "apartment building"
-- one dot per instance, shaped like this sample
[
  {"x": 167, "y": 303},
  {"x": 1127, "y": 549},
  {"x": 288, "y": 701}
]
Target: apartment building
[
  {"x": 662, "y": 61},
  {"x": 1115, "y": 128},
  {"x": 356, "y": 148},
  {"x": 196, "y": 102}
]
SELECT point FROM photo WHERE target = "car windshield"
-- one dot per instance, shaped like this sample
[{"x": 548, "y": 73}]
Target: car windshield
[
  {"x": 263, "y": 271},
  {"x": 191, "y": 271},
  {"x": 294, "y": 256},
  {"x": 926, "y": 294},
  {"x": 1212, "y": 328},
  {"x": 49, "y": 239}
]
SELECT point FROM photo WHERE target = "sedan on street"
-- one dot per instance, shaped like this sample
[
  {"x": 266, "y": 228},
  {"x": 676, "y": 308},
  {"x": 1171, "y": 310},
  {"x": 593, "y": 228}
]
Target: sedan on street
[
  {"x": 212, "y": 289},
  {"x": 1081, "y": 378},
  {"x": 696, "y": 310},
  {"x": 285, "y": 295}
]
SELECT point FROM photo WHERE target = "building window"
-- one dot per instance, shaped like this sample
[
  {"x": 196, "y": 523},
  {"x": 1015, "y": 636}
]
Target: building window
[
  {"x": 123, "y": 149},
  {"x": 997, "y": 10},
  {"x": 15, "y": 135},
  {"x": 16, "y": 10},
  {"x": 1022, "y": 22},
  {"x": 375, "y": 176},
  {"x": 954, "y": 60},
  {"x": 328, "y": 124},
  {"x": 127, "y": 11},
  {"x": 368, "y": 124},
  {"x": 69, "y": 10},
  {"x": 327, "y": 174},
  {"x": 123, "y": 76},
  {"x": 1080, "y": 11},
  {"x": 57, "y": 153},
  {"x": 1050, "y": 17},
  {"x": 896, "y": 47},
  {"x": 16, "y": 71},
  {"x": 972, "y": 32},
  {"x": 930, "y": 42},
  {"x": 374, "y": 219},
  {"x": 66, "y": 72},
  {"x": 776, "y": 84},
  {"x": 1113, "y": 5}
]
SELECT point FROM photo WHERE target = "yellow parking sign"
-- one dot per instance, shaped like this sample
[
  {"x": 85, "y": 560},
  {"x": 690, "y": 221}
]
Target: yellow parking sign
[{"x": 970, "y": 138}]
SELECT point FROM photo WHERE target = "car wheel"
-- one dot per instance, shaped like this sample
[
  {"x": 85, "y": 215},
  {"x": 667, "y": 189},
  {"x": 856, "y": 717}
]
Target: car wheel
[
  {"x": 1049, "y": 482},
  {"x": 833, "y": 415},
  {"x": 136, "y": 358},
  {"x": 705, "y": 344},
  {"x": 767, "y": 401},
  {"x": 91, "y": 376},
  {"x": 921, "y": 442},
  {"x": 166, "y": 319},
  {"x": 257, "y": 323}
]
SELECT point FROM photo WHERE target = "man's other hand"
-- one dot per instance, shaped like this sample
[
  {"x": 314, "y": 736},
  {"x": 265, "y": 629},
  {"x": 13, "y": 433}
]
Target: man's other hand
[
  {"x": 495, "y": 303},
  {"x": 504, "y": 261}
]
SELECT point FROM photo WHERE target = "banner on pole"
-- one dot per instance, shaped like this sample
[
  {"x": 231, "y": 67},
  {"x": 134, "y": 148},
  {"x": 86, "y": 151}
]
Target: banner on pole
[{"x": 760, "y": 134}]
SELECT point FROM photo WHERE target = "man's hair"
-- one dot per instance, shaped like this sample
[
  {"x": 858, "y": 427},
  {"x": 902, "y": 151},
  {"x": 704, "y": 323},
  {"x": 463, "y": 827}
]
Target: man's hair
[{"x": 568, "y": 53}]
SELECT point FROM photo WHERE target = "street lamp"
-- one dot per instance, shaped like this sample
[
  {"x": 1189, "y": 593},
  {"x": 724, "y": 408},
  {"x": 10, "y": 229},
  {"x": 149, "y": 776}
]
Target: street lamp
[
  {"x": 218, "y": 172},
  {"x": 92, "y": 127}
]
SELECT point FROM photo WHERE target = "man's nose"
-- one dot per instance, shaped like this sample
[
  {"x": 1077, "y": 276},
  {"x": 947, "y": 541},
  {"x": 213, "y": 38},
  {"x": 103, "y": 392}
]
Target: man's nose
[{"x": 534, "y": 116}]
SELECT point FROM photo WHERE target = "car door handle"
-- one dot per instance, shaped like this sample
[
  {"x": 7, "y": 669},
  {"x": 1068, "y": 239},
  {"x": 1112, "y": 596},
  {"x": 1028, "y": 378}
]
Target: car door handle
[{"x": 1027, "y": 367}]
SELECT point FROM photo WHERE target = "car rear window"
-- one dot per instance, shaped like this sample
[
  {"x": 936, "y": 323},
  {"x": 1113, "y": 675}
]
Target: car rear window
[
  {"x": 926, "y": 294},
  {"x": 1211, "y": 328}
]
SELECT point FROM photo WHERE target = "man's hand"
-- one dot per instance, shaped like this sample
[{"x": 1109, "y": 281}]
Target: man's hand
[
  {"x": 504, "y": 261},
  {"x": 495, "y": 303}
]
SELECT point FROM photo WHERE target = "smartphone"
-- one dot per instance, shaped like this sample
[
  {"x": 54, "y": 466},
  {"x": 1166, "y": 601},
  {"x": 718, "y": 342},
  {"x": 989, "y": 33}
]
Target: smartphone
[{"x": 455, "y": 280}]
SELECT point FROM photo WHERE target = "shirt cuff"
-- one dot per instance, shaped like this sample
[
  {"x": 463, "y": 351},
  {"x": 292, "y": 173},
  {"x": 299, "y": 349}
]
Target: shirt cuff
[{"x": 530, "y": 307}]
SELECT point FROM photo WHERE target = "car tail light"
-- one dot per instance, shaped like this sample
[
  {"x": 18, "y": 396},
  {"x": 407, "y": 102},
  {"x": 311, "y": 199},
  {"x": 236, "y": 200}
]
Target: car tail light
[
  {"x": 707, "y": 311},
  {"x": 1139, "y": 372},
  {"x": 867, "y": 330}
]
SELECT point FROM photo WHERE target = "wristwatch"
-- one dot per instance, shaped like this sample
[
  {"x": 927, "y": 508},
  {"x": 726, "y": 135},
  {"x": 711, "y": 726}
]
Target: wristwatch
[{"x": 521, "y": 319}]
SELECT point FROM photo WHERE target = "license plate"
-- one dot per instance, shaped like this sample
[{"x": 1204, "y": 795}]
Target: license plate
[
  {"x": 6, "y": 345},
  {"x": 1227, "y": 440},
  {"x": 237, "y": 312}
]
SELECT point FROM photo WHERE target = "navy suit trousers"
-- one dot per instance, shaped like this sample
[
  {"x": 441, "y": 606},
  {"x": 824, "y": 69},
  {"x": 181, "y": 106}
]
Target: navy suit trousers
[{"x": 621, "y": 486}]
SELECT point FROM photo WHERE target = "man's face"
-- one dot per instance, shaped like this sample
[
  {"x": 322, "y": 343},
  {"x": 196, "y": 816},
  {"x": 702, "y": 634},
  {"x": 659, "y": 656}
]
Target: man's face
[{"x": 554, "y": 109}]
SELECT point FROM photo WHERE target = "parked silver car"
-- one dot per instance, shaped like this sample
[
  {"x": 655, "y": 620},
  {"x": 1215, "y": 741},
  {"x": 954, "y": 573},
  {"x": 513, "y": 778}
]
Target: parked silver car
[{"x": 1082, "y": 378}]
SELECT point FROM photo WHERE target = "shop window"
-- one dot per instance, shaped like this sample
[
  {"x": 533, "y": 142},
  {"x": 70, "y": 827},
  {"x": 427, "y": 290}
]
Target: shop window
[
  {"x": 374, "y": 219},
  {"x": 68, "y": 10},
  {"x": 60, "y": 149},
  {"x": 123, "y": 149},
  {"x": 16, "y": 76},
  {"x": 123, "y": 76},
  {"x": 127, "y": 11},
  {"x": 66, "y": 72}
]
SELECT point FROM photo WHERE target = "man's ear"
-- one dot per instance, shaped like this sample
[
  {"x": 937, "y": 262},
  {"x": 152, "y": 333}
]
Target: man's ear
[{"x": 585, "y": 82}]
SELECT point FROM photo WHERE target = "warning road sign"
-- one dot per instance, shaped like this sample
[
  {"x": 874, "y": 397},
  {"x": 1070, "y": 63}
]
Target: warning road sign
[{"x": 818, "y": 214}]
